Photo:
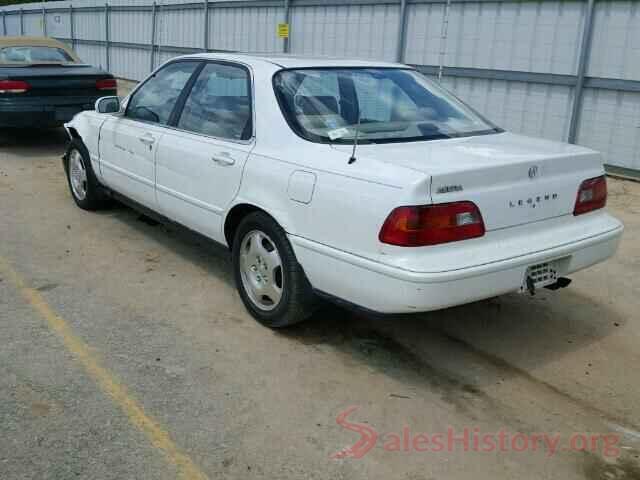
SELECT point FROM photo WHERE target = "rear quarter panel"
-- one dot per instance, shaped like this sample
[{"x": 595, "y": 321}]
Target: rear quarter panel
[{"x": 346, "y": 206}]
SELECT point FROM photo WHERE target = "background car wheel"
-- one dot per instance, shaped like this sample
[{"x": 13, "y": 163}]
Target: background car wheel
[
  {"x": 85, "y": 189},
  {"x": 271, "y": 282}
]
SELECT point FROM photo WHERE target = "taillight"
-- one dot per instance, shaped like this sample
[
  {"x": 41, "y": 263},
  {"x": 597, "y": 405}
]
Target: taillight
[
  {"x": 106, "y": 84},
  {"x": 592, "y": 195},
  {"x": 13, "y": 86},
  {"x": 418, "y": 226}
]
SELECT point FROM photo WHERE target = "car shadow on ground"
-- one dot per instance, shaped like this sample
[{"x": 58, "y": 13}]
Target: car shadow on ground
[
  {"x": 504, "y": 337},
  {"x": 34, "y": 142},
  {"x": 463, "y": 348},
  {"x": 508, "y": 336}
]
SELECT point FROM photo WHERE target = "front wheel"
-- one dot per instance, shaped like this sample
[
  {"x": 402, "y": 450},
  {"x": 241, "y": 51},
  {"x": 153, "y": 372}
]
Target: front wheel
[
  {"x": 85, "y": 189},
  {"x": 271, "y": 282}
]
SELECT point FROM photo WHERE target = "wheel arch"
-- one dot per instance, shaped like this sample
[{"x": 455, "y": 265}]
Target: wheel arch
[
  {"x": 73, "y": 133},
  {"x": 75, "y": 141},
  {"x": 240, "y": 210},
  {"x": 78, "y": 127}
]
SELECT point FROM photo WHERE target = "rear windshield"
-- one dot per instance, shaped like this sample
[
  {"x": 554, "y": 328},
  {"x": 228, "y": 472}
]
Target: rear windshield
[
  {"x": 379, "y": 105},
  {"x": 27, "y": 55}
]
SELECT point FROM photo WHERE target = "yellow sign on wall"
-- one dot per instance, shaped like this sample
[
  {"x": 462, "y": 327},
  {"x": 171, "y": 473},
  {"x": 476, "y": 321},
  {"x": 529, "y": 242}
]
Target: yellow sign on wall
[{"x": 283, "y": 30}]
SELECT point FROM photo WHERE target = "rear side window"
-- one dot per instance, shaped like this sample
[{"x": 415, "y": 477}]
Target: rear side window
[
  {"x": 219, "y": 104},
  {"x": 26, "y": 54},
  {"x": 155, "y": 100}
]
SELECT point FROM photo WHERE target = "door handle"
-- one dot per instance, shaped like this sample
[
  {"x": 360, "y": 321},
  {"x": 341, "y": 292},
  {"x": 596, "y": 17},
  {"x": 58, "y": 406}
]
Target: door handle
[
  {"x": 147, "y": 139},
  {"x": 224, "y": 159}
]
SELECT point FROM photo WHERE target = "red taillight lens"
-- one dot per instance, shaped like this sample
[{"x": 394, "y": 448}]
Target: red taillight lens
[
  {"x": 432, "y": 224},
  {"x": 592, "y": 195},
  {"x": 106, "y": 84},
  {"x": 13, "y": 86}
]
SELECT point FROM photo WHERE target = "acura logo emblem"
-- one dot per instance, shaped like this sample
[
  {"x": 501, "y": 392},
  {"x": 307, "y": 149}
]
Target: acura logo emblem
[{"x": 533, "y": 171}]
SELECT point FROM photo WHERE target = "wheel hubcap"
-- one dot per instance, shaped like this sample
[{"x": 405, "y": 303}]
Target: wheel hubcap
[
  {"x": 261, "y": 270},
  {"x": 77, "y": 175}
]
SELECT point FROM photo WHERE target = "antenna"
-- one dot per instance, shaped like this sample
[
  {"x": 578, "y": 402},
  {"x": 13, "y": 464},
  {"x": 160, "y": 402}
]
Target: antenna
[{"x": 355, "y": 140}]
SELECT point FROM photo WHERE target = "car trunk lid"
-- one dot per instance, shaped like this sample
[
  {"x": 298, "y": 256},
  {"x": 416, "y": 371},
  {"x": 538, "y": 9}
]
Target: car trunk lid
[
  {"x": 511, "y": 178},
  {"x": 55, "y": 80}
]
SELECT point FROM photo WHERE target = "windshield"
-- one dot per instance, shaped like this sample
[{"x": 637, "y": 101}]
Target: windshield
[
  {"x": 333, "y": 105},
  {"x": 29, "y": 55}
]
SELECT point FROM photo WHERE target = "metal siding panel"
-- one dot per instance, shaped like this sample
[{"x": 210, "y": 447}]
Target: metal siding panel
[
  {"x": 245, "y": 29},
  {"x": 616, "y": 40},
  {"x": 92, "y": 54},
  {"x": 131, "y": 27},
  {"x": 13, "y": 25},
  {"x": 530, "y": 109},
  {"x": 58, "y": 25},
  {"x": 523, "y": 36},
  {"x": 130, "y": 63},
  {"x": 364, "y": 31},
  {"x": 33, "y": 24},
  {"x": 183, "y": 28},
  {"x": 611, "y": 124},
  {"x": 89, "y": 25},
  {"x": 424, "y": 27}
]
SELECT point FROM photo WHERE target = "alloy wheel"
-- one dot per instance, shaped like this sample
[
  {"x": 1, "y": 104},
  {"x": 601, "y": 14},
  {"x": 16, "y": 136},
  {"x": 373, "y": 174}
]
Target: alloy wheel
[
  {"x": 261, "y": 270},
  {"x": 77, "y": 175}
]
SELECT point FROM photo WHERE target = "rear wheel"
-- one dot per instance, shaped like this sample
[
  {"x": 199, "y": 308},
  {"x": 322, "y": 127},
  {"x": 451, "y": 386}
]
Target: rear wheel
[
  {"x": 271, "y": 282},
  {"x": 84, "y": 187}
]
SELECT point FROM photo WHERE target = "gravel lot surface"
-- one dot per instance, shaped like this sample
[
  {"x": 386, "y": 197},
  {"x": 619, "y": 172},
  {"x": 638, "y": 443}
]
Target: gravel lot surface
[{"x": 126, "y": 354}]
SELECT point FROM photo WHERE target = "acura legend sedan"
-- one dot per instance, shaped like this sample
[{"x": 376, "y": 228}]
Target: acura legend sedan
[{"x": 361, "y": 182}]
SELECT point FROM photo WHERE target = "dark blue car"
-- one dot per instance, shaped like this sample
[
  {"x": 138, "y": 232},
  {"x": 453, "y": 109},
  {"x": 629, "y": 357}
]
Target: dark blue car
[{"x": 44, "y": 84}]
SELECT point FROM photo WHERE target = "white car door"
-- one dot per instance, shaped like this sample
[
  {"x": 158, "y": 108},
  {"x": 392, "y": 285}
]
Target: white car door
[
  {"x": 200, "y": 161},
  {"x": 129, "y": 142}
]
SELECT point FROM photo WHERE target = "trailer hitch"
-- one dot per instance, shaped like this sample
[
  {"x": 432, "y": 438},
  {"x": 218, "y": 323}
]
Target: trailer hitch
[
  {"x": 531, "y": 286},
  {"x": 562, "y": 282}
]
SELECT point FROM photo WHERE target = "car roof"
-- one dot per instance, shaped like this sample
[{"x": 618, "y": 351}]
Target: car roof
[
  {"x": 30, "y": 42},
  {"x": 36, "y": 42},
  {"x": 295, "y": 61}
]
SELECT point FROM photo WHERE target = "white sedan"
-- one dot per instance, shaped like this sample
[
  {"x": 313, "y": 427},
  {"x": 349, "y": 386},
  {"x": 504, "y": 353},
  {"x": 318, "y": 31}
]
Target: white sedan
[{"x": 362, "y": 182}]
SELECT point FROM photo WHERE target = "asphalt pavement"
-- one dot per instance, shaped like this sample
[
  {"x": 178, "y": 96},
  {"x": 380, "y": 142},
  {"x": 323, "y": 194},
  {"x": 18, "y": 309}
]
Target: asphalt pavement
[{"x": 126, "y": 354}]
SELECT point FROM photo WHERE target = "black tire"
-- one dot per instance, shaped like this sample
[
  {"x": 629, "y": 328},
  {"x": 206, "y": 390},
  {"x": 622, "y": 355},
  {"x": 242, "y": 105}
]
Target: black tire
[
  {"x": 95, "y": 197},
  {"x": 298, "y": 300}
]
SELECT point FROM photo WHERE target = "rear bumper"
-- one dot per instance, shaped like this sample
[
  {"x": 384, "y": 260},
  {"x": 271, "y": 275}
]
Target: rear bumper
[
  {"x": 21, "y": 115},
  {"x": 388, "y": 289}
]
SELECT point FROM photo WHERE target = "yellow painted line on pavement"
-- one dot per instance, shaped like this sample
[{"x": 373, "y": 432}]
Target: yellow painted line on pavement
[{"x": 158, "y": 437}]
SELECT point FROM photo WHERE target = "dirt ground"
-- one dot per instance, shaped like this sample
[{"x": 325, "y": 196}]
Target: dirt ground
[{"x": 126, "y": 354}]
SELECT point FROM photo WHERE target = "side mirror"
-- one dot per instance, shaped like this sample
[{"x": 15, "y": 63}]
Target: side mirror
[{"x": 108, "y": 105}]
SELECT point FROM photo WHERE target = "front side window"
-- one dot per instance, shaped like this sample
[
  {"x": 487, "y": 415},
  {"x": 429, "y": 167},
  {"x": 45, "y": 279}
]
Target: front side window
[
  {"x": 383, "y": 105},
  {"x": 30, "y": 55},
  {"x": 219, "y": 104},
  {"x": 155, "y": 100}
]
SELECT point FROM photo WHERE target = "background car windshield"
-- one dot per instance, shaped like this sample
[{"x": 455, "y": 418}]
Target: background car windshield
[
  {"x": 26, "y": 54},
  {"x": 381, "y": 104}
]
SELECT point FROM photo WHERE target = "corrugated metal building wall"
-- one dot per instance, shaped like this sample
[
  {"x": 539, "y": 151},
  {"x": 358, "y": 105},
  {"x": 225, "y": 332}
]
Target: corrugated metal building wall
[{"x": 521, "y": 63}]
